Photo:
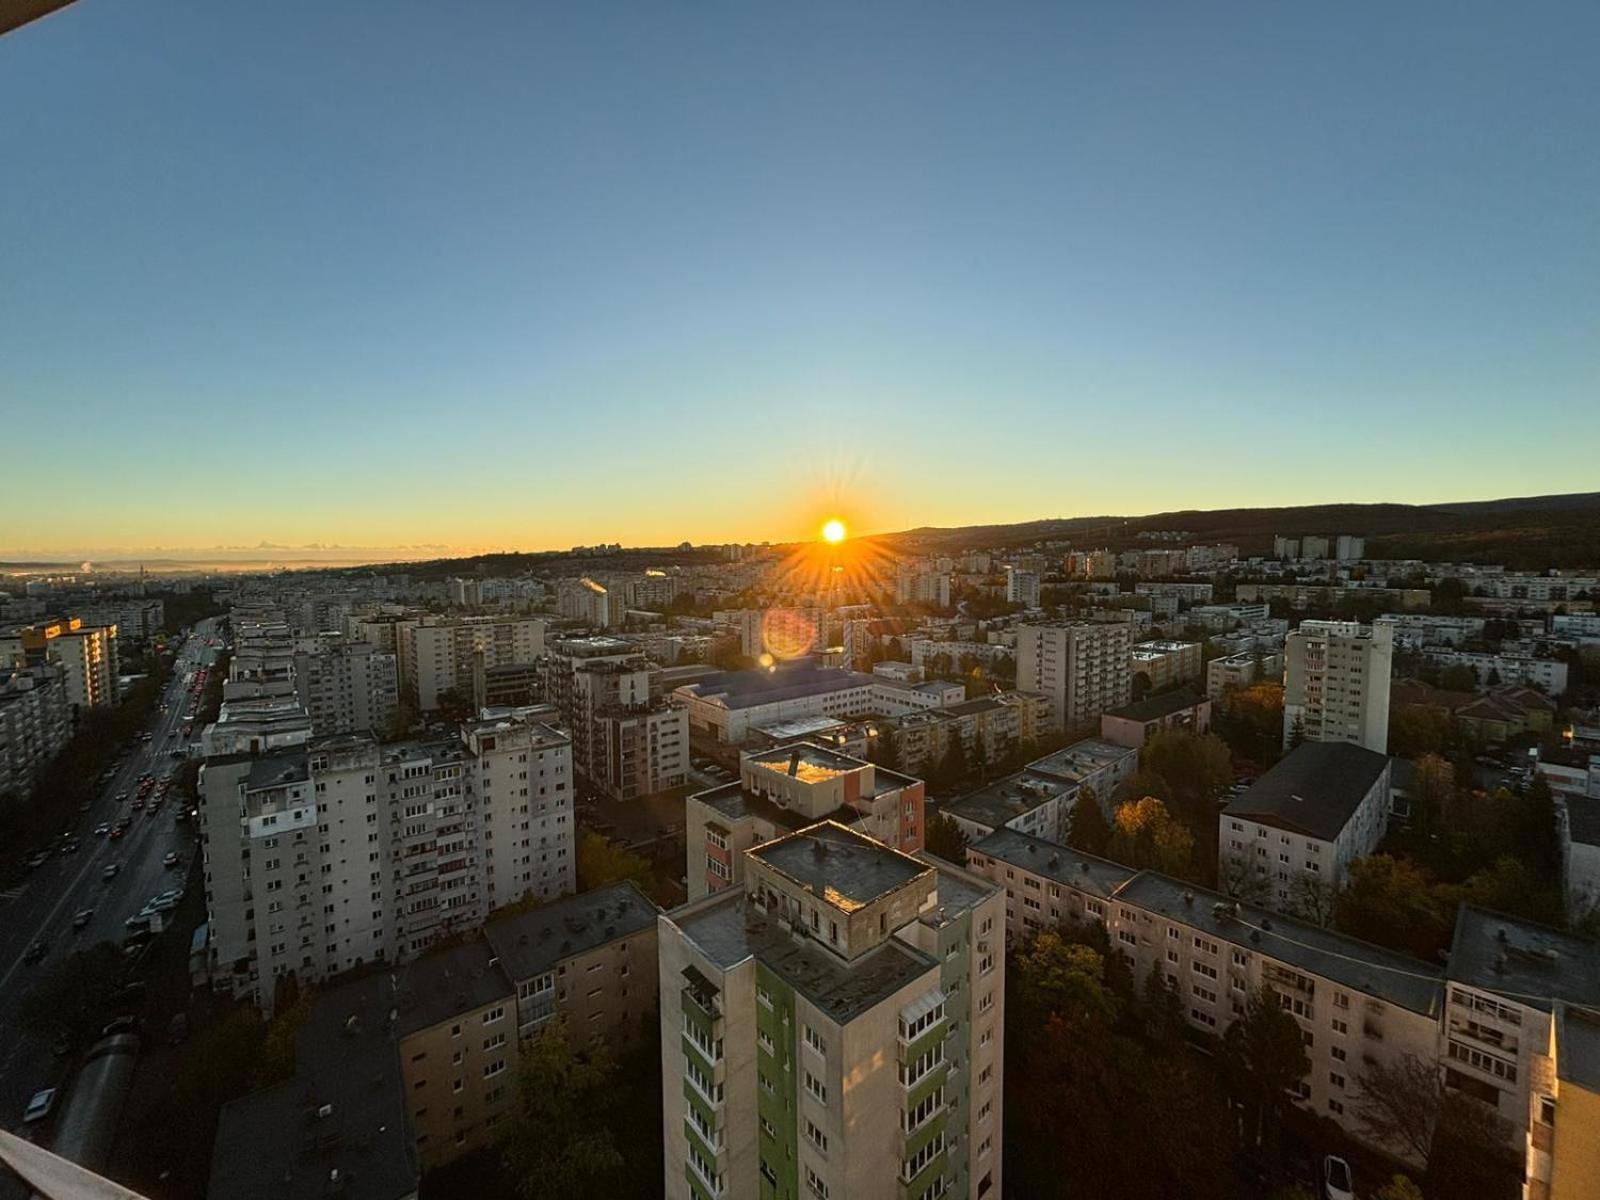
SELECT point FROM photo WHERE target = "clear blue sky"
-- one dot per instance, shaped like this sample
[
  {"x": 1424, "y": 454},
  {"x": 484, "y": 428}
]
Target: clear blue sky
[{"x": 496, "y": 274}]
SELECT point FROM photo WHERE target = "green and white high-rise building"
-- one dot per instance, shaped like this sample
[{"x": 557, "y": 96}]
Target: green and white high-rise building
[{"x": 834, "y": 1027}]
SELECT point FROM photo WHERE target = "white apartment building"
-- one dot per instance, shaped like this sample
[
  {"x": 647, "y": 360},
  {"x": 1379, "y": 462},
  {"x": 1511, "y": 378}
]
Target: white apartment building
[
  {"x": 346, "y": 686},
  {"x": 1288, "y": 841},
  {"x": 87, "y": 655},
  {"x": 1022, "y": 587},
  {"x": 35, "y": 723},
  {"x": 922, "y": 587},
  {"x": 1355, "y": 1003},
  {"x": 324, "y": 855},
  {"x": 437, "y": 656},
  {"x": 1412, "y": 631},
  {"x": 1336, "y": 683},
  {"x": 1082, "y": 668},
  {"x": 589, "y": 601},
  {"x": 1547, "y": 674},
  {"x": 1240, "y": 671},
  {"x": 834, "y": 1028}
]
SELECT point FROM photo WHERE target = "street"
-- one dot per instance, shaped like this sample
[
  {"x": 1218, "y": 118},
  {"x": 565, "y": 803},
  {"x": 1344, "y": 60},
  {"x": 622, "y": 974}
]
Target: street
[{"x": 41, "y": 906}]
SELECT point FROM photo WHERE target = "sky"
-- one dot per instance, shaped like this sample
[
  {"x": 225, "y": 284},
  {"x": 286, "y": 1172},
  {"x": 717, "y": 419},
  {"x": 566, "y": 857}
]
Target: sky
[{"x": 392, "y": 274}]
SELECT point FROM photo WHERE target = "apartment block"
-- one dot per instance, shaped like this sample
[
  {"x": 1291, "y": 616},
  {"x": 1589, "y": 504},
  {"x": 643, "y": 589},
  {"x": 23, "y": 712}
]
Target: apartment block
[
  {"x": 1239, "y": 671},
  {"x": 1550, "y": 674},
  {"x": 1166, "y": 664},
  {"x": 1022, "y": 587},
  {"x": 35, "y": 723},
  {"x": 922, "y": 587},
  {"x": 328, "y": 854},
  {"x": 1041, "y": 798},
  {"x": 834, "y": 1028},
  {"x": 346, "y": 686},
  {"x": 1287, "y": 842},
  {"x": 1081, "y": 668},
  {"x": 1336, "y": 683},
  {"x": 1133, "y": 723},
  {"x": 789, "y": 787},
  {"x": 1356, "y": 1004},
  {"x": 438, "y": 656},
  {"x": 87, "y": 655}
]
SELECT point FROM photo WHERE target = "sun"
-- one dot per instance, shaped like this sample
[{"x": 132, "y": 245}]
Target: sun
[{"x": 833, "y": 532}]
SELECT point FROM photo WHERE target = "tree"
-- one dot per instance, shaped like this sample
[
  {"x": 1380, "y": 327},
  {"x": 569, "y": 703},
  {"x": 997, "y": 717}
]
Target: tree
[
  {"x": 1090, "y": 831},
  {"x": 1397, "y": 1105},
  {"x": 1144, "y": 834},
  {"x": 1264, "y": 1056},
  {"x": 559, "y": 1143},
  {"x": 1393, "y": 902},
  {"x": 1510, "y": 886},
  {"x": 946, "y": 839},
  {"x": 601, "y": 862},
  {"x": 1297, "y": 734},
  {"x": 1433, "y": 785},
  {"x": 1312, "y": 899},
  {"x": 1459, "y": 678},
  {"x": 74, "y": 999},
  {"x": 1063, "y": 979},
  {"x": 1237, "y": 875},
  {"x": 1399, "y": 1187}
]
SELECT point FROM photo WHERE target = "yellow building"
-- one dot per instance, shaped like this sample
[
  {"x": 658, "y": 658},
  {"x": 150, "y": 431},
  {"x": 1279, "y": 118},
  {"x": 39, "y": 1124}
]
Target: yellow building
[{"x": 1571, "y": 1135}]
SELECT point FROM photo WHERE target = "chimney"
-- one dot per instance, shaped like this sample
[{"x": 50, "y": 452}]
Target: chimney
[{"x": 794, "y": 763}]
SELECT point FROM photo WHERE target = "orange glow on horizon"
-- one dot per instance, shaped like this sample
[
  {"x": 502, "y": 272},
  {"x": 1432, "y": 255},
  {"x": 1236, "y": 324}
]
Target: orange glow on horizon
[{"x": 834, "y": 532}]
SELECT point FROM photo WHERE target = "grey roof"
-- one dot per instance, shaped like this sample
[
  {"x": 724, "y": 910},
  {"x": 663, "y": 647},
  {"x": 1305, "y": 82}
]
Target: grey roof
[
  {"x": 446, "y": 982},
  {"x": 846, "y": 868},
  {"x": 1523, "y": 961},
  {"x": 1153, "y": 708},
  {"x": 959, "y": 890},
  {"x": 1313, "y": 790},
  {"x": 1397, "y": 978},
  {"x": 1097, "y": 876},
  {"x": 970, "y": 708},
  {"x": 278, "y": 769},
  {"x": 1583, "y": 820},
  {"x": 279, "y": 1142},
  {"x": 531, "y": 943},
  {"x": 1578, "y": 1046},
  {"x": 1007, "y": 799},
  {"x": 728, "y": 931},
  {"x": 746, "y": 689}
]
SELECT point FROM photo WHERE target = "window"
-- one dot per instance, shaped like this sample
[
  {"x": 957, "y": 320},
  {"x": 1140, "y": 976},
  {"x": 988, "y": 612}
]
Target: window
[
  {"x": 1340, "y": 1027},
  {"x": 490, "y": 1070},
  {"x": 814, "y": 1040},
  {"x": 816, "y": 1136},
  {"x": 814, "y": 1182},
  {"x": 494, "y": 1014},
  {"x": 912, "y": 1073},
  {"x": 816, "y": 1087},
  {"x": 911, "y": 1030},
  {"x": 913, "y": 1166}
]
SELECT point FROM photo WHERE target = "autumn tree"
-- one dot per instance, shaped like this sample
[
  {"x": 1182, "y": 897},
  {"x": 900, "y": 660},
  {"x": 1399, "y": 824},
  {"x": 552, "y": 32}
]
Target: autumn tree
[
  {"x": 1394, "y": 902},
  {"x": 1144, "y": 834},
  {"x": 558, "y": 1142},
  {"x": 1433, "y": 785}
]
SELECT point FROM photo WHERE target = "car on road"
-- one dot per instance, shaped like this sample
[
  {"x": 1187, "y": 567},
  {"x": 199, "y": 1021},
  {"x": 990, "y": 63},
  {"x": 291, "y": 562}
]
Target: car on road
[
  {"x": 171, "y": 860},
  {"x": 120, "y": 1025},
  {"x": 40, "y": 1107},
  {"x": 102, "y": 829},
  {"x": 70, "y": 846},
  {"x": 38, "y": 860},
  {"x": 137, "y": 805},
  {"x": 110, "y": 871},
  {"x": 36, "y": 951},
  {"x": 1336, "y": 1181},
  {"x": 82, "y": 918},
  {"x": 167, "y": 899},
  {"x": 122, "y": 797}
]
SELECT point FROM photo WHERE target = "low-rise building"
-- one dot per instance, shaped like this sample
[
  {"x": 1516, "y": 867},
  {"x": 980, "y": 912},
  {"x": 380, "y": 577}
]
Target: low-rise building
[
  {"x": 1166, "y": 664},
  {"x": 1238, "y": 671},
  {"x": 1131, "y": 724}
]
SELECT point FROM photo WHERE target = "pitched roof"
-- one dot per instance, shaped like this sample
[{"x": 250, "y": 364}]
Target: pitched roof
[
  {"x": 1153, "y": 708},
  {"x": 1313, "y": 790}
]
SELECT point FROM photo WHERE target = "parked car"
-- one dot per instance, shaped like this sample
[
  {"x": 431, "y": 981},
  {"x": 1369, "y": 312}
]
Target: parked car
[
  {"x": 40, "y": 1107},
  {"x": 1336, "y": 1181},
  {"x": 82, "y": 918},
  {"x": 38, "y": 860},
  {"x": 102, "y": 829},
  {"x": 110, "y": 871},
  {"x": 36, "y": 952},
  {"x": 171, "y": 860}
]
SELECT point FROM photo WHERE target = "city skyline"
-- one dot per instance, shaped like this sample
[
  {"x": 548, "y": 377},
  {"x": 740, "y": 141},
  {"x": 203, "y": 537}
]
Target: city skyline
[{"x": 389, "y": 321}]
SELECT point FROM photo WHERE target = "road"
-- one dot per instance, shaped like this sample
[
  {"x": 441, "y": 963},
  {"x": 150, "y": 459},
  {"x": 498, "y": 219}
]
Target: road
[{"x": 42, "y": 904}]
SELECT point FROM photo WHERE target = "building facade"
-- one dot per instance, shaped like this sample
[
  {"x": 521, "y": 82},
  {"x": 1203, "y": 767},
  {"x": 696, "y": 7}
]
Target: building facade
[
  {"x": 1082, "y": 669},
  {"x": 1336, "y": 683}
]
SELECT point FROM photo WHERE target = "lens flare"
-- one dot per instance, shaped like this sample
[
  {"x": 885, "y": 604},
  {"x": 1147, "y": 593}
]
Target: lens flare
[{"x": 834, "y": 532}]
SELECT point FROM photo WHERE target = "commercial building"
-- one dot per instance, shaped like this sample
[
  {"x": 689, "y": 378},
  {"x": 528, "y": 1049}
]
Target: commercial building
[
  {"x": 438, "y": 656},
  {"x": 1081, "y": 668},
  {"x": 786, "y": 788},
  {"x": 1336, "y": 683},
  {"x": 1238, "y": 671},
  {"x": 1167, "y": 664},
  {"x": 1131, "y": 724},
  {"x": 834, "y": 1028},
  {"x": 728, "y": 705},
  {"x": 1289, "y": 839}
]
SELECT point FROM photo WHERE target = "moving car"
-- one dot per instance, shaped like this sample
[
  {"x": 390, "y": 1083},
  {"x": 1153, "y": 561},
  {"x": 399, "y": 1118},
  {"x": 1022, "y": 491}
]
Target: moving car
[
  {"x": 111, "y": 871},
  {"x": 82, "y": 918},
  {"x": 38, "y": 860},
  {"x": 171, "y": 860},
  {"x": 40, "y": 1107},
  {"x": 1336, "y": 1181},
  {"x": 102, "y": 829},
  {"x": 36, "y": 951}
]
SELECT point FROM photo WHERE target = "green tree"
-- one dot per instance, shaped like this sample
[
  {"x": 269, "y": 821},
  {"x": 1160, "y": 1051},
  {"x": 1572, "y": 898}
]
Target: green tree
[
  {"x": 1458, "y": 678},
  {"x": 1065, "y": 980},
  {"x": 946, "y": 839},
  {"x": 74, "y": 999},
  {"x": 600, "y": 862},
  {"x": 1393, "y": 902},
  {"x": 559, "y": 1142},
  {"x": 1433, "y": 786},
  {"x": 1090, "y": 831},
  {"x": 1263, "y": 1057}
]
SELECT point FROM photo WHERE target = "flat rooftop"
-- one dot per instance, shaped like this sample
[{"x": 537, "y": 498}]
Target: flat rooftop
[
  {"x": 801, "y": 727},
  {"x": 788, "y": 681},
  {"x": 278, "y": 769},
  {"x": 444, "y": 983},
  {"x": 1153, "y": 708},
  {"x": 531, "y": 943},
  {"x": 847, "y": 869},
  {"x": 1396, "y": 978},
  {"x": 1007, "y": 799},
  {"x": 1529, "y": 963},
  {"x": 729, "y": 930},
  {"x": 1578, "y": 1047},
  {"x": 1097, "y": 876},
  {"x": 807, "y": 762},
  {"x": 1078, "y": 761},
  {"x": 1313, "y": 790}
]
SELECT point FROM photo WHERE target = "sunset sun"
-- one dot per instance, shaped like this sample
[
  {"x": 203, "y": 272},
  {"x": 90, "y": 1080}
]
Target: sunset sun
[{"x": 833, "y": 532}]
